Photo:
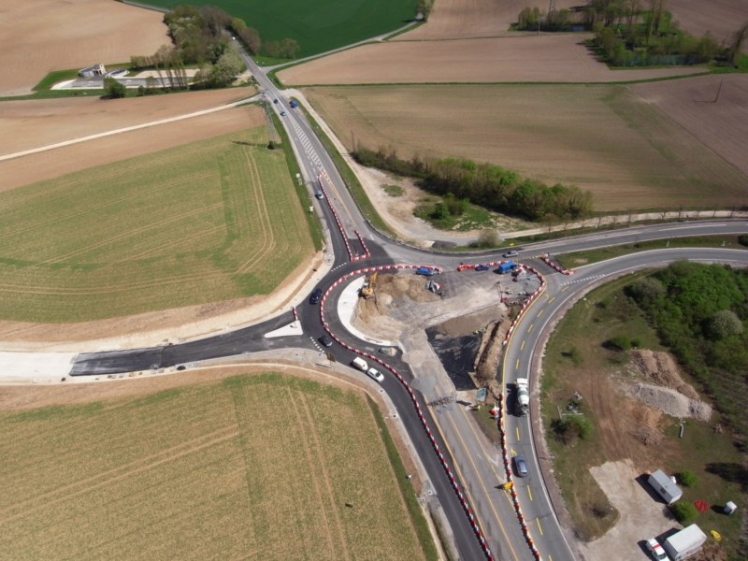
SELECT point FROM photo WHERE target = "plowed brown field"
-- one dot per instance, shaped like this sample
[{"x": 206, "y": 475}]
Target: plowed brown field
[
  {"x": 474, "y": 18},
  {"x": 522, "y": 58},
  {"x": 601, "y": 138},
  {"x": 721, "y": 17},
  {"x": 721, "y": 125},
  {"x": 38, "y": 123},
  {"x": 39, "y": 36}
]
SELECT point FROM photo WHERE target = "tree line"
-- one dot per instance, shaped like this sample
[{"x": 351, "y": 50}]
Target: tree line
[
  {"x": 700, "y": 312},
  {"x": 486, "y": 185},
  {"x": 632, "y": 33}
]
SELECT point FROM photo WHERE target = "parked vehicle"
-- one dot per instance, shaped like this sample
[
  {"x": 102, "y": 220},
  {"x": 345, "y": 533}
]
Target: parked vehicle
[
  {"x": 520, "y": 466},
  {"x": 376, "y": 374},
  {"x": 482, "y": 267},
  {"x": 426, "y": 271},
  {"x": 506, "y": 267},
  {"x": 360, "y": 363},
  {"x": 685, "y": 543},
  {"x": 315, "y": 297},
  {"x": 655, "y": 550},
  {"x": 523, "y": 396}
]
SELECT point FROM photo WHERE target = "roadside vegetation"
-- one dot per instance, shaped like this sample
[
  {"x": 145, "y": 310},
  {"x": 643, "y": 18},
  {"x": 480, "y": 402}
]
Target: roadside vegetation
[
  {"x": 591, "y": 420},
  {"x": 187, "y": 473},
  {"x": 312, "y": 27},
  {"x": 204, "y": 222},
  {"x": 461, "y": 181}
]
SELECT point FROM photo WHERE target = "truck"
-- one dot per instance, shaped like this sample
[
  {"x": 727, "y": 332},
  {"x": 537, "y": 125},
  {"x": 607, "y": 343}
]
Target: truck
[
  {"x": 294, "y": 104},
  {"x": 523, "y": 396},
  {"x": 506, "y": 267},
  {"x": 685, "y": 543}
]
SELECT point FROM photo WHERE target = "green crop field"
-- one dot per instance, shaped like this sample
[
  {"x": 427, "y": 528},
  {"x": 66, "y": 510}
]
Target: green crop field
[
  {"x": 317, "y": 26},
  {"x": 251, "y": 467},
  {"x": 209, "y": 221}
]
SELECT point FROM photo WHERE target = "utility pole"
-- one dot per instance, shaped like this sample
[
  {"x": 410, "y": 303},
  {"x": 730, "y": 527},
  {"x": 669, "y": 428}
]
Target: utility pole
[{"x": 719, "y": 89}]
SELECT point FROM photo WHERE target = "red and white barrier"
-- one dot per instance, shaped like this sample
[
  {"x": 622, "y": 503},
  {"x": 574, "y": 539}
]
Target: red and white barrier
[
  {"x": 526, "y": 304},
  {"x": 351, "y": 255},
  {"x": 553, "y": 265},
  {"x": 445, "y": 465}
]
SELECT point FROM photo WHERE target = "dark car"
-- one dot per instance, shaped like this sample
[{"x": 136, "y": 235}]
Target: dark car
[
  {"x": 326, "y": 341},
  {"x": 482, "y": 267},
  {"x": 316, "y": 296},
  {"x": 520, "y": 466},
  {"x": 275, "y": 101}
]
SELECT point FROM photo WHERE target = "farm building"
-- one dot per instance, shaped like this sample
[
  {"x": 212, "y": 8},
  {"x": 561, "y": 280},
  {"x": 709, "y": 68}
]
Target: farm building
[
  {"x": 665, "y": 487},
  {"x": 91, "y": 71}
]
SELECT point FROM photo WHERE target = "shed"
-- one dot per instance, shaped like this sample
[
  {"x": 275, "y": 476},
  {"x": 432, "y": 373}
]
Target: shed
[{"x": 668, "y": 490}]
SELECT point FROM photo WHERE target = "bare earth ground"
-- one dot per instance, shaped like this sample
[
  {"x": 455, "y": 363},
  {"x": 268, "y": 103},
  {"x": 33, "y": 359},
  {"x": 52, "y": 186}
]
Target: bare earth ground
[
  {"x": 474, "y": 18},
  {"x": 33, "y": 123},
  {"x": 59, "y": 161},
  {"x": 721, "y": 17},
  {"x": 39, "y": 36},
  {"x": 601, "y": 138},
  {"x": 722, "y": 126},
  {"x": 527, "y": 58}
]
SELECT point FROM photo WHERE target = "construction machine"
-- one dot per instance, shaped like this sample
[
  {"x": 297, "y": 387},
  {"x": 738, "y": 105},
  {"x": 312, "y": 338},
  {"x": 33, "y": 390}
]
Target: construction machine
[{"x": 367, "y": 291}]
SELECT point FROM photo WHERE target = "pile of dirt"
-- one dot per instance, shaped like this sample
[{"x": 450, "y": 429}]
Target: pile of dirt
[
  {"x": 660, "y": 368},
  {"x": 671, "y": 402}
]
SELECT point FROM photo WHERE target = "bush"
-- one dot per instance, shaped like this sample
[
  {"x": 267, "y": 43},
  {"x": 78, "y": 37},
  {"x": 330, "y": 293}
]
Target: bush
[
  {"x": 113, "y": 89},
  {"x": 687, "y": 478},
  {"x": 571, "y": 428},
  {"x": 619, "y": 342},
  {"x": 723, "y": 324},
  {"x": 684, "y": 512}
]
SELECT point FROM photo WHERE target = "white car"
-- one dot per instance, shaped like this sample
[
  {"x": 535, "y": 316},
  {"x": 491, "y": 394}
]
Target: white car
[
  {"x": 376, "y": 374},
  {"x": 655, "y": 550}
]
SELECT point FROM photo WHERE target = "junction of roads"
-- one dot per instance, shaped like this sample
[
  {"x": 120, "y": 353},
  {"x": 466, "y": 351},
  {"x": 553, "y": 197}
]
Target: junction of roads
[{"x": 462, "y": 475}]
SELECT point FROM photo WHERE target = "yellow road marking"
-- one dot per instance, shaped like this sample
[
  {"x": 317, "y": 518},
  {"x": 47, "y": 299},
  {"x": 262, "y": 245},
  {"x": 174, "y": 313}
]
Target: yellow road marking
[
  {"x": 564, "y": 289},
  {"x": 522, "y": 346},
  {"x": 518, "y": 438},
  {"x": 530, "y": 328},
  {"x": 517, "y": 364},
  {"x": 465, "y": 489},
  {"x": 551, "y": 300},
  {"x": 529, "y": 492},
  {"x": 537, "y": 522},
  {"x": 540, "y": 313}
]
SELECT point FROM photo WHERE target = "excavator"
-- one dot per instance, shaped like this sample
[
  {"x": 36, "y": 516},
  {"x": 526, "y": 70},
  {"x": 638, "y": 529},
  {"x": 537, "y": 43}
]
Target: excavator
[{"x": 367, "y": 291}]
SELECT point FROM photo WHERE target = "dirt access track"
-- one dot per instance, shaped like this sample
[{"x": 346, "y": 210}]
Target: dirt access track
[{"x": 39, "y": 36}]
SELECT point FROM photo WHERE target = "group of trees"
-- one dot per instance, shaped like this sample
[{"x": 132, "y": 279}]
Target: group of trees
[
  {"x": 489, "y": 186},
  {"x": 635, "y": 33},
  {"x": 699, "y": 311}
]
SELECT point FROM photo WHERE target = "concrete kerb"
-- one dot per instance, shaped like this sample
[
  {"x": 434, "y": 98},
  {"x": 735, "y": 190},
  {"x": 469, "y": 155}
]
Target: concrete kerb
[{"x": 424, "y": 423}]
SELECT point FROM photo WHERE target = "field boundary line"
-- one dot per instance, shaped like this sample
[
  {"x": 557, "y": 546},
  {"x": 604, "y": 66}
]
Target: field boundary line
[{"x": 124, "y": 130}]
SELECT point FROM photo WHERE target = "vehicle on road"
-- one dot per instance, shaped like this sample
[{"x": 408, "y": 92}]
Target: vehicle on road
[
  {"x": 482, "y": 267},
  {"x": 426, "y": 271},
  {"x": 520, "y": 466},
  {"x": 360, "y": 363},
  {"x": 655, "y": 550},
  {"x": 319, "y": 194},
  {"x": 275, "y": 101},
  {"x": 376, "y": 374},
  {"x": 315, "y": 297},
  {"x": 523, "y": 396},
  {"x": 326, "y": 341},
  {"x": 294, "y": 104},
  {"x": 510, "y": 253},
  {"x": 283, "y": 113}
]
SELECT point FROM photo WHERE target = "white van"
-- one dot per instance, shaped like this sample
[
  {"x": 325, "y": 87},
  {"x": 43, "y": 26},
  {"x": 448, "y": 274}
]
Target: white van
[{"x": 360, "y": 364}]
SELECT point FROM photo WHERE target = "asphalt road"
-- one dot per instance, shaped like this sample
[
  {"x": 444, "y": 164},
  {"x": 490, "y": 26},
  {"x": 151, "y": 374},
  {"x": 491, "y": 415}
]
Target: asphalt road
[{"x": 476, "y": 463}]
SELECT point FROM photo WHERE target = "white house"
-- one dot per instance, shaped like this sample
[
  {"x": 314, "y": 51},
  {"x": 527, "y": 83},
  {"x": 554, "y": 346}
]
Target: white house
[{"x": 665, "y": 487}]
